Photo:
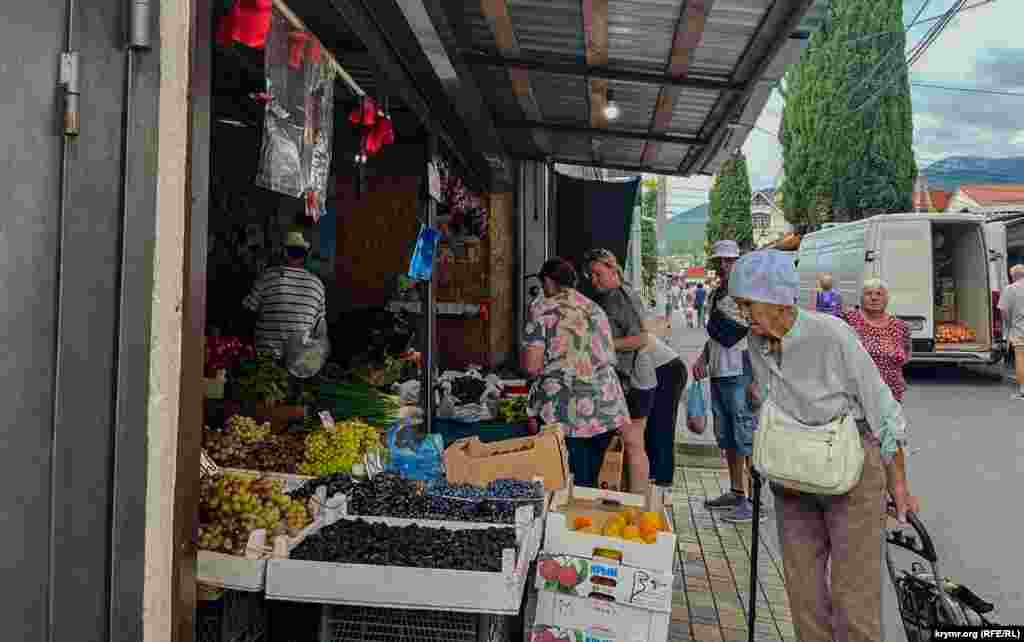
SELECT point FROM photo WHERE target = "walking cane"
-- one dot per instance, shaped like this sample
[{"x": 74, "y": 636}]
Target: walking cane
[{"x": 755, "y": 481}]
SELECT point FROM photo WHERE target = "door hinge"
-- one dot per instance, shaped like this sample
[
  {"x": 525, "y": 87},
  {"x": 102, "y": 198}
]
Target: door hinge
[
  {"x": 69, "y": 82},
  {"x": 869, "y": 256}
]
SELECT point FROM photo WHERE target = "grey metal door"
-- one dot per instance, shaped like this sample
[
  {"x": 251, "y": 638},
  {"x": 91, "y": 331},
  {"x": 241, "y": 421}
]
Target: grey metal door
[{"x": 74, "y": 281}]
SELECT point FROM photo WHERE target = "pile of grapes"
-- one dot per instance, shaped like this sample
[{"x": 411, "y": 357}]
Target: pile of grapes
[
  {"x": 388, "y": 495},
  {"x": 360, "y": 542},
  {"x": 281, "y": 453},
  {"x": 498, "y": 489},
  {"x": 248, "y": 431},
  {"x": 513, "y": 410},
  {"x": 336, "y": 451},
  {"x": 232, "y": 506}
]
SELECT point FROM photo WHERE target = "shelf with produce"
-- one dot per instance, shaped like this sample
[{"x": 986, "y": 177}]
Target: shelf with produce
[{"x": 412, "y": 569}]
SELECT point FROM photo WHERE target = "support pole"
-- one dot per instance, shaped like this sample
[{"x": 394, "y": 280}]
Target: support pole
[{"x": 429, "y": 294}]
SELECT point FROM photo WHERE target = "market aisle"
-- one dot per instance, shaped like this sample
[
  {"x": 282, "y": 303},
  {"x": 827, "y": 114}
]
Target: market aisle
[{"x": 713, "y": 574}]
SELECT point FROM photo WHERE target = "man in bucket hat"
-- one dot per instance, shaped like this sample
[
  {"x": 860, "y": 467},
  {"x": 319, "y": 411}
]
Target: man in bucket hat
[
  {"x": 726, "y": 361},
  {"x": 287, "y": 299}
]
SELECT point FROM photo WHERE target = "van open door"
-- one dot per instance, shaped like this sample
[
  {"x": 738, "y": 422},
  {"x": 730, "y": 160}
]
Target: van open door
[
  {"x": 903, "y": 259},
  {"x": 998, "y": 275}
]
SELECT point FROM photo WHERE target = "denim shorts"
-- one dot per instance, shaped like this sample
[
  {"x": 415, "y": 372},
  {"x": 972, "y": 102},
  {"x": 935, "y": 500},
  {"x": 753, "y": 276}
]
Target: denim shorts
[
  {"x": 640, "y": 402},
  {"x": 734, "y": 421}
]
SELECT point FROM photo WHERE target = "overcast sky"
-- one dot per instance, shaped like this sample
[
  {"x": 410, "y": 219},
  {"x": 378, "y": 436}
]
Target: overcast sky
[{"x": 981, "y": 48}]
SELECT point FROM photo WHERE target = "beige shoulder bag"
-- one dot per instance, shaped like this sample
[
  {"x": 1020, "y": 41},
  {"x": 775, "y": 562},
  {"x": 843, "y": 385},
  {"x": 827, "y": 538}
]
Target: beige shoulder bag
[{"x": 821, "y": 460}]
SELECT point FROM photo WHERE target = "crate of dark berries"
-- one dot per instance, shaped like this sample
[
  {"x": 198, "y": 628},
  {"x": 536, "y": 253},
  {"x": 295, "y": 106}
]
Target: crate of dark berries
[
  {"x": 501, "y": 503},
  {"x": 393, "y": 562}
]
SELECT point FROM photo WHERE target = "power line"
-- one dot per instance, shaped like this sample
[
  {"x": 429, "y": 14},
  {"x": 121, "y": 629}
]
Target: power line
[
  {"x": 968, "y": 90},
  {"x": 939, "y": 17}
]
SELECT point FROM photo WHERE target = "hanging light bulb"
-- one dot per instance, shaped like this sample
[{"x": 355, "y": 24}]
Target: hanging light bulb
[{"x": 611, "y": 108}]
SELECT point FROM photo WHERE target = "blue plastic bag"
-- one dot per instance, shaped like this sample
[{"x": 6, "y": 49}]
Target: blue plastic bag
[
  {"x": 696, "y": 408},
  {"x": 412, "y": 456},
  {"x": 421, "y": 266}
]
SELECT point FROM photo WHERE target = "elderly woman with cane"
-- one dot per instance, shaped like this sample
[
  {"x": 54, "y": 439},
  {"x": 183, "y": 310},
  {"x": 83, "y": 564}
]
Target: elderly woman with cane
[{"x": 813, "y": 373}]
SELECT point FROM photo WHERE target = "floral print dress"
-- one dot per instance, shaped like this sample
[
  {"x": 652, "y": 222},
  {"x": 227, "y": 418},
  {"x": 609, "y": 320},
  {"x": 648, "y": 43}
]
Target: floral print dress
[
  {"x": 887, "y": 346},
  {"x": 578, "y": 388}
]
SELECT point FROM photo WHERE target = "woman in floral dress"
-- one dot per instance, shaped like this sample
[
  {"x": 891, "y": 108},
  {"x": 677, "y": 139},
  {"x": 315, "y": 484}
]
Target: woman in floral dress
[
  {"x": 569, "y": 354},
  {"x": 885, "y": 337}
]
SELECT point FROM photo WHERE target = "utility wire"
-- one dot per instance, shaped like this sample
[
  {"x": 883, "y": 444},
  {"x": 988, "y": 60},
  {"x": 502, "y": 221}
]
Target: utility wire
[{"x": 967, "y": 90}]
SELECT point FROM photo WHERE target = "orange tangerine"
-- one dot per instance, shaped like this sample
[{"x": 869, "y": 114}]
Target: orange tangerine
[
  {"x": 582, "y": 522},
  {"x": 631, "y": 532},
  {"x": 630, "y": 515}
]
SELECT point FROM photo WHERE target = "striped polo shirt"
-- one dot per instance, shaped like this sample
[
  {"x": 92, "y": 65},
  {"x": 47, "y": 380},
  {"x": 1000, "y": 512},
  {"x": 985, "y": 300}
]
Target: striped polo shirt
[{"x": 289, "y": 300}]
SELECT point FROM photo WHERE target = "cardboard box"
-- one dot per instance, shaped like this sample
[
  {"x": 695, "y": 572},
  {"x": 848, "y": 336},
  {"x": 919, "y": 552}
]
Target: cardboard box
[
  {"x": 605, "y": 579},
  {"x": 623, "y": 622},
  {"x": 561, "y": 539},
  {"x": 470, "y": 461},
  {"x": 610, "y": 477},
  {"x": 544, "y": 633}
]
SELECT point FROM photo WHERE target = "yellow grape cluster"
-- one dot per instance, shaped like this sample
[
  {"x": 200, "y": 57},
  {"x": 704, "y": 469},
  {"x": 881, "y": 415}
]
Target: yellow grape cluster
[
  {"x": 336, "y": 451},
  {"x": 248, "y": 430},
  {"x": 232, "y": 506}
]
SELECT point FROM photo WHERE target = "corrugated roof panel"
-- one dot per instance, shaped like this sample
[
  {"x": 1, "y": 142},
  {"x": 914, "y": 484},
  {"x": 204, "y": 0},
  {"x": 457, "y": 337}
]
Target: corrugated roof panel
[
  {"x": 727, "y": 34},
  {"x": 574, "y": 145},
  {"x": 479, "y": 29},
  {"x": 495, "y": 85},
  {"x": 670, "y": 156},
  {"x": 620, "y": 151},
  {"x": 636, "y": 104},
  {"x": 691, "y": 110},
  {"x": 640, "y": 33},
  {"x": 548, "y": 26},
  {"x": 561, "y": 98}
]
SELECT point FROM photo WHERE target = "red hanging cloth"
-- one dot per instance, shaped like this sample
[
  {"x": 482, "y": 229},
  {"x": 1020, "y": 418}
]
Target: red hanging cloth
[{"x": 248, "y": 23}]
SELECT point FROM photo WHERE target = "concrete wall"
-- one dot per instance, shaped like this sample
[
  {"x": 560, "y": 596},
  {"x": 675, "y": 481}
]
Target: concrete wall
[{"x": 165, "y": 355}]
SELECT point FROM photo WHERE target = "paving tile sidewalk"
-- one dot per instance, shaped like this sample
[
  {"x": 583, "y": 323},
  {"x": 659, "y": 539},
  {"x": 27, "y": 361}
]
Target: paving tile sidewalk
[{"x": 713, "y": 569}]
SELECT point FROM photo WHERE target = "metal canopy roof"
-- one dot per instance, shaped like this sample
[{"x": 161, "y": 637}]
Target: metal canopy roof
[{"x": 689, "y": 76}]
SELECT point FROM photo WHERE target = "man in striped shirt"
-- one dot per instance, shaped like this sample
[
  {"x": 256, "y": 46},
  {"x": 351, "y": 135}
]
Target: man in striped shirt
[{"x": 287, "y": 299}]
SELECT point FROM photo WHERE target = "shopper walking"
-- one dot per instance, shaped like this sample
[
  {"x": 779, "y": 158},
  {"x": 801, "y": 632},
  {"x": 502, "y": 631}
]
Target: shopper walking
[
  {"x": 699, "y": 297},
  {"x": 813, "y": 368},
  {"x": 1011, "y": 306},
  {"x": 569, "y": 354},
  {"x": 726, "y": 361},
  {"x": 626, "y": 314},
  {"x": 885, "y": 337},
  {"x": 287, "y": 299}
]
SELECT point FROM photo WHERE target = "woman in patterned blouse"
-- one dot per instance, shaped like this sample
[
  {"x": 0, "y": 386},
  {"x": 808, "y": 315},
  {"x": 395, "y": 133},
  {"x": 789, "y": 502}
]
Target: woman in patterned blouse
[
  {"x": 569, "y": 354},
  {"x": 886, "y": 338}
]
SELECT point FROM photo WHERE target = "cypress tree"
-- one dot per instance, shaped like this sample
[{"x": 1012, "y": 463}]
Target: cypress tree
[
  {"x": 847, "y": 129},
  {"x": 729, "y": 216}
]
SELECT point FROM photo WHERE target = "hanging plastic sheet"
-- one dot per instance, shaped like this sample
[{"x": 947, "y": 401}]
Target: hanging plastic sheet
[{"x": 298, "y": 125}]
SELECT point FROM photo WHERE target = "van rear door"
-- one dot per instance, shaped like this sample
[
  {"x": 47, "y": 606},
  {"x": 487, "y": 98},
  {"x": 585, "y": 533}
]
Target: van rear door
[{"x": 903, "y": 259}]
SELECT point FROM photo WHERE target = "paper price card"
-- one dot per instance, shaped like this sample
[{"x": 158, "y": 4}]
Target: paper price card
[{"x": 326, "y": 419}]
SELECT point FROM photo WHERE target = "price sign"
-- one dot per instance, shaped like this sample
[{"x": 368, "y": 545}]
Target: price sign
[
  {"x": 651, "y": 591},
  {"x": 327, "y": 420}
]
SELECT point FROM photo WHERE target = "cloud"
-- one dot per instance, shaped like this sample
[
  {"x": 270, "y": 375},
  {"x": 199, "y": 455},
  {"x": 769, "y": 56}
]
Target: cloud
[{"x": 1001, "y": 68}]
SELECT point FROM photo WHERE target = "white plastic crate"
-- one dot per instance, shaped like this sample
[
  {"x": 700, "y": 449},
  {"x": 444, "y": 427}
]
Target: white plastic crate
[
  {"x": 408, "y": 587},
  {"x": 348, "y": 623}
]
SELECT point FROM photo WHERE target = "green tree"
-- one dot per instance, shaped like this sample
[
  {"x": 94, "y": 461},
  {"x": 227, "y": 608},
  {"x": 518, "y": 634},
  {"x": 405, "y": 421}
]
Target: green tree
[
  {"x": 847, "y": 131},
  {"x": 648, "y": 225},
  {"x": 729, "y": 214}
]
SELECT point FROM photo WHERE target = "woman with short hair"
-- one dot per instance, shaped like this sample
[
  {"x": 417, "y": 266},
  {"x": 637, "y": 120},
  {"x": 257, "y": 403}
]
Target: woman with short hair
[
  {"x": 568, "y": 352},
  {"x": 885, "y": 337},
  {"x": 813, "y": 368}
]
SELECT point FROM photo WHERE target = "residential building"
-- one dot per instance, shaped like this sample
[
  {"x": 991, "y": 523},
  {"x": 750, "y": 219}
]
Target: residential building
[
  {"x": 929, "y": 200},
  {"x": 767, "y": 218},
  {"x": 986, "y": 199}
]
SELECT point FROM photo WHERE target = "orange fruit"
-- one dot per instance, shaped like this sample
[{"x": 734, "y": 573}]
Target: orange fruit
[
  {"x": 581, "y": 523},
  {"x": 650, "y": 522},
  {"x": 630, "y": 515},
  {"x": 631, "y": 533},
  {"x": 613, "y": 529},
  {"x": 649, "y": 538}
]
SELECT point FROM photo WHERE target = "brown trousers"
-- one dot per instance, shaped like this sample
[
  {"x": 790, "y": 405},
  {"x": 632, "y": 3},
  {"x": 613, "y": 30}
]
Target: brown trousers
[{"x": 846, "y": 529}]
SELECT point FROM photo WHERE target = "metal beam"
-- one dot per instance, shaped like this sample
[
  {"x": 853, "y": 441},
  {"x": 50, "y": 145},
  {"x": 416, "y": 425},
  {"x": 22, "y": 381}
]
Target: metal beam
[
  {"x": 587, "y": 71},
  {"x": 562, "y": 128},
  {"x": 625, "y": 167},
  {"x": 688, "y": 34},
  {"x": 595, "y": 35},
  {"x": 782, "y": 20}
]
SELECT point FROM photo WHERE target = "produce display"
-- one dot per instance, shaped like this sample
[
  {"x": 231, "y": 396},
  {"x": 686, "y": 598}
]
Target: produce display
[
  {"x": 336, "y": 450},
  {"x": 513, "y": 410},
  {"x": 498, "y": 489},
  {"x": 248, "y": 431},
  {"x": 279, "y": 453},
  {"x": 359, "y": 400},
  {"x": 954, "y": 332},
  {"x": 361, "y": 542},
  {"x": 262, "y": 379},
  {"x": 225, "y": 353},
  {"x": 388, "y": 495},
  {"x": 629, "y": 524},
  {"x": 232, "y": 506}
]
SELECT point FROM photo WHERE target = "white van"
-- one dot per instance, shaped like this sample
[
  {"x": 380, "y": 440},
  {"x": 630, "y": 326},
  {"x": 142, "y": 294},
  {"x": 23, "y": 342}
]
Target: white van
[
  {"x": 936, "y": 267},
  {"x": 1005, "y": 236}
]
